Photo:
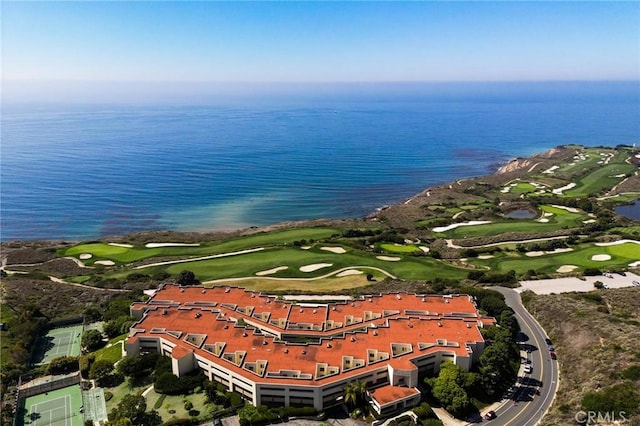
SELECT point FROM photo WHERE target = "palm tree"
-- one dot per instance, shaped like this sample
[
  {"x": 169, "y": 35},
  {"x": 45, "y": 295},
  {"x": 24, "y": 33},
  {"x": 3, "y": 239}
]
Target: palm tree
[{"x": 354, "y": 393}]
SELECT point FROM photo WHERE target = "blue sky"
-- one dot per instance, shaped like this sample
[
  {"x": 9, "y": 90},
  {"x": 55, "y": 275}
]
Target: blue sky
[{"x": 320, "y": 41}]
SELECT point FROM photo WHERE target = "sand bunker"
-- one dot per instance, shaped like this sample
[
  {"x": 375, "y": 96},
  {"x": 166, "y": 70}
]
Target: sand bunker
[
  {"x": 85, "y": 256},
  {"x": 349, "y": 272},
  {"x": 336, "y": 250},
  {"x": 121, "y": 245},
  {"x": 105, "y": 262},
  {"x": 543, "y": 220},
  {"x": 389, "y": 258},
  {"x": 541, "y": 253},
  {"x": 305, "y": 247},
  {"x": 589, "y": 221},
  {"x": 615, "y": 243},
  {"x": 600, "y": 257},
  {"x": 634, "y": 264},
  {"x": 272, "y": 271},
  {"x": 455, "y": 225},
  {"x": 559, "y": 191},
  {"x": 155, "y": 245},
  {"x": 424, "y": 249},
  {"x": 486, "y": 256},
  {"x": 314, "y": 267},
  {"x": 566, "y": 268},
  {"x": 569, "y": 209}
]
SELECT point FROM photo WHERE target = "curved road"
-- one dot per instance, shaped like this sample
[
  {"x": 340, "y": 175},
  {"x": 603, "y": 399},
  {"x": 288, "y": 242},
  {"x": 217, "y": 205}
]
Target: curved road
[{"x": 525, "y": 407}]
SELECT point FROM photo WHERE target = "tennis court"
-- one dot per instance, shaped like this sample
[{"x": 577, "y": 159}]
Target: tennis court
[
  {"x": 95, "y": 407},
  {"x": 58, "y": 342},
  {"x": 60, "y": 407}
]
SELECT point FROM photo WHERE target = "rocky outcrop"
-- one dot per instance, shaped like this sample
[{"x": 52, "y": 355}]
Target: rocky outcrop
[{"x": 516, "y": 165}]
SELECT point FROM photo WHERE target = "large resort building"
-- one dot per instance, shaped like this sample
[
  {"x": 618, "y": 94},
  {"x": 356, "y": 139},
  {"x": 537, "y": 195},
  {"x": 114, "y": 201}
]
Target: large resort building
[{"x": 277, "y": 352}]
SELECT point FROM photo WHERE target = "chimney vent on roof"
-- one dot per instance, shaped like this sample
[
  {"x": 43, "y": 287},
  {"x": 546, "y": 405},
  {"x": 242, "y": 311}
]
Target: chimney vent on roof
[
  {"x": 315, "y": 311},
  {"x": 353, "y": 304},
  {"x": 286, "y": 350},
  {"x": 424, "y": 299},
  {"x": 264, "y": 342},
  {"x": 227, "y": 290},
  {"x": 198, "y": 315},
  {"x": 329, "y": 345},
  {"x": 204, "y": 291},
  {"x": 303, "y": 352},
  {"x": 301, "y": 310},
  {"x": 181, "y": 290},
  {"x": 353, "y": 339},
  {"x": 446, "y": 300},
  {"x": 375, "y": 332},
  {"x": 244, "y": 334},
  {"x": 398, "y": 297},
  {"x": 333, "y": 308},
  {"x": 164, "y": 312},
  {"x": 439, "y": 324},
  {"x": 226, "y": 326},
  {"x": 410, "y": 325},
  {"x": 253, "y": 295}
]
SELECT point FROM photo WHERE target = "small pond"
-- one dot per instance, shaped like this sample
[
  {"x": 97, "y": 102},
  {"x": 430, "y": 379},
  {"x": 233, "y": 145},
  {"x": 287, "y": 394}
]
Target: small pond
[
  {"x": 632, "y": 211},
  {"x": 521, "y": 214}
]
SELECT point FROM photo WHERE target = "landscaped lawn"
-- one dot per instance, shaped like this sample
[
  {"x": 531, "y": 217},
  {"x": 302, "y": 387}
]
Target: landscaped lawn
[
  {"x": 113, "y": 352},
  {"x": 172, "y": 406}
]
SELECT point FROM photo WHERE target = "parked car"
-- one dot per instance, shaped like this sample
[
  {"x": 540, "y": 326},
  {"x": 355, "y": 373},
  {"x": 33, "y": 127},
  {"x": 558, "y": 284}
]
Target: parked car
[
  {"x": 636, "y": 283},
  {"x": 552, "y": 349},
  {"x": 528, "y": 369},
  {"x": 490, "y": 415},
  {"x": 553, "y": 355},
  {"x": 548, "y": 341}
]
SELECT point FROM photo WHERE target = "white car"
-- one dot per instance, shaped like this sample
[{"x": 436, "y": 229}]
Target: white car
[{"x": 528, "y": 369}]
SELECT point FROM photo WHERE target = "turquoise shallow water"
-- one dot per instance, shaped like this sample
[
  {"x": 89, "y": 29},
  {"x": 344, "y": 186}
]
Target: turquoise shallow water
[{"x": 79, "y": 171}]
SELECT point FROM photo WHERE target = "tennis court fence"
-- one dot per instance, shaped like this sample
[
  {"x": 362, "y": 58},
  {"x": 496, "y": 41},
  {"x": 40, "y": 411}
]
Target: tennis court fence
[{"x": 46, "y": 384}]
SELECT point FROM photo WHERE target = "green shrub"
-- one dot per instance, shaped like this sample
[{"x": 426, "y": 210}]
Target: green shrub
[
  {"x": 107, "y": 395},
  {"x": 159, "y": 402},
  {"x": 617, "y": 398},
  {"x": 632, "y": 372},
  {"x": 423, "y": 411}
]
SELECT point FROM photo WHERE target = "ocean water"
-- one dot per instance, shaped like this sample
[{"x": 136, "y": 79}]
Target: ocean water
[{"x": 82, "y": 170}]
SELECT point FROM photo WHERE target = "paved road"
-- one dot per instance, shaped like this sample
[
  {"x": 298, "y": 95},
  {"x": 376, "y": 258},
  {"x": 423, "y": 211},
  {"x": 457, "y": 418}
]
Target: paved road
[{"x": 526, "y": 407}]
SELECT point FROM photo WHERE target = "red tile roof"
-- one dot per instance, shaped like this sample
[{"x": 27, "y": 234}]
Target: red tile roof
[
  {"x": 194, "y": 311},
  {"x": 390, "y": 394}
]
